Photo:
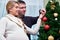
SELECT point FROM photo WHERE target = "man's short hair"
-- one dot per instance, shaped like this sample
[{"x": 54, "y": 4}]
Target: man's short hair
[{"x": 21, "y": 1}]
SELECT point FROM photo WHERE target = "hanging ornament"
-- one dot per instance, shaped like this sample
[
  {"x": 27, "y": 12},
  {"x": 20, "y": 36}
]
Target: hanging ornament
[
  {"x": 52, "y": 8},
  {"x": 50, "y": 37},
  {"x": 44, "y": 19},
  {"x": 46, "y": 27},
  {"x": 56, "y": 18},
  {"x": 55, "y": 14}
]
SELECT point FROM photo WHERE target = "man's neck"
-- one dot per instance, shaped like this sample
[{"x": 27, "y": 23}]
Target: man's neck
[{"x": 21, "y": 16}]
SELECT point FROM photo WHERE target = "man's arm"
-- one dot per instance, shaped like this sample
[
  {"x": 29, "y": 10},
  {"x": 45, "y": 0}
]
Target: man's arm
[
  {"x": 38, "y": 24},
  {"x": 36, "y": 29}
]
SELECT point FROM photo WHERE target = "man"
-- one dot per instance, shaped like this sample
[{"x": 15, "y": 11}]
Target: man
[
  {"x": 29, "y": 21},
  {"x": 12, "y": 27}
]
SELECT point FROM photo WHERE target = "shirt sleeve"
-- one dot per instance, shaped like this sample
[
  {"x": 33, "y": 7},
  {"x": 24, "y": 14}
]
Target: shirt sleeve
[
  {"x": 36, "y": 29},
  {"x": 2, "y": 28}
]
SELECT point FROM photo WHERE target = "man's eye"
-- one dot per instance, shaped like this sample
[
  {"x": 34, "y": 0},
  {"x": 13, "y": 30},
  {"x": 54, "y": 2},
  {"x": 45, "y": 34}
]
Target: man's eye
[
  {"x": 20, "y": 7},
  {"x": 17, "y": 7}
]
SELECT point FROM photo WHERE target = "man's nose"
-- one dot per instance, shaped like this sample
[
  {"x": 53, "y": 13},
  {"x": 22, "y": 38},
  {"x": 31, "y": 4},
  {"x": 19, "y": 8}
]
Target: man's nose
[{"x": 24, "y": 8}]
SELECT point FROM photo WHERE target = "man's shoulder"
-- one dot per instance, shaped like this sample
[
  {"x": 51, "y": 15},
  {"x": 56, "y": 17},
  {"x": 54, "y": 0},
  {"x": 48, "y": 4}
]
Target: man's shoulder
[{"x": 29, "y": 17}]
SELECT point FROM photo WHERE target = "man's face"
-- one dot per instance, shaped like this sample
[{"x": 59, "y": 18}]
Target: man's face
[
  {"x": 14, "y": 9},
  {"x": 22, "y": 9}
]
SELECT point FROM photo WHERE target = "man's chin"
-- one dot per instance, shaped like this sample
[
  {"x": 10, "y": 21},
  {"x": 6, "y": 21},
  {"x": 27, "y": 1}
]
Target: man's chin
[{"x": 23, "y": 15}]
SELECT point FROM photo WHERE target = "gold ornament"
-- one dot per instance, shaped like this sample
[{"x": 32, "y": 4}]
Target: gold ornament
[
  {"x": 55, "y": 14},
  {"x": 50, "y": 37},
  {"x": 53, "y": 7}
]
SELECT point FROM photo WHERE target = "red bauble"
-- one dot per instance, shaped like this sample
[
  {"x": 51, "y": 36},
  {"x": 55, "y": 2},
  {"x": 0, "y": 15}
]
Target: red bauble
[
  {"x": 44, "y": 19},
  {"x": 46, "y": 27}
]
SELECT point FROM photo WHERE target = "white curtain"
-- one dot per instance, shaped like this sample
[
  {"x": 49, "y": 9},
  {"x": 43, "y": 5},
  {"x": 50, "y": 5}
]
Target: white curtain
[
  {"x": 3, "y": 8},
  {"x": 33, "y": 7}
]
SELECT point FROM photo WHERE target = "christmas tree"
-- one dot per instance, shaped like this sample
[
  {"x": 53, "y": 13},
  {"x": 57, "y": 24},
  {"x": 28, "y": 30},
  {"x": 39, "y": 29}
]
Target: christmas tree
[{"x": 50, "y": 28}]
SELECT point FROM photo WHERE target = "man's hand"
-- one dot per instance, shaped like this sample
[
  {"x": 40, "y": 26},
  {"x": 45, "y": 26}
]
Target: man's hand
[{"x": 42, "y": 13}]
